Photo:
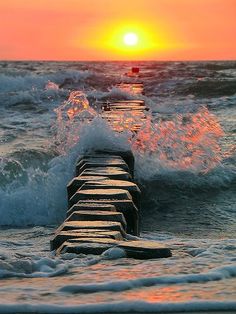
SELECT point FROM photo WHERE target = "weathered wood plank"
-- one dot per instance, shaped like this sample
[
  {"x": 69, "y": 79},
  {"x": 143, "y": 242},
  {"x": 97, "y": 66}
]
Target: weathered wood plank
[
  {"x": 99, "y": 194},
  {"x": 78, "y": 181},
  {"x": 98, "y": 215},
  {"x": 126, "y": 207},
  {"x": 64, "y": 236},
  {"x": 91, "y": 207},
  {"x": 79, "y": 225},
  {"x": 131, "y": 187}
]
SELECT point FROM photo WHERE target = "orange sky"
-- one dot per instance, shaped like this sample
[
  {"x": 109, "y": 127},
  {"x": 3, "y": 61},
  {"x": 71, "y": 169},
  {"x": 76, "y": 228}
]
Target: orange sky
[{"x": 93, "y": 29}]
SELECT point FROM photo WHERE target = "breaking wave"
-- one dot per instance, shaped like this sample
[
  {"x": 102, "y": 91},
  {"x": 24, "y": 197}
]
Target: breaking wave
[{"x": 33, "y": 193}]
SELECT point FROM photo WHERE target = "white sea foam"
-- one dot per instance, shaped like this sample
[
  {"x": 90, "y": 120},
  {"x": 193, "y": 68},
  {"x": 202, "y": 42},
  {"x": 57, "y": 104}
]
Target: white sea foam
[
  {"x": 40, "y": 198},
  {"x": 113, "y": 93},
  {"x": 121, "y": 307},
  {"x": 36, "y": 195},
  {"x": 17, "y": 82},
  {"x": 220, "y": 273},
  {"x": 30, "y": 268},
  {"x": 150, "y": 168},
  {"x": 32, "y": 88}
]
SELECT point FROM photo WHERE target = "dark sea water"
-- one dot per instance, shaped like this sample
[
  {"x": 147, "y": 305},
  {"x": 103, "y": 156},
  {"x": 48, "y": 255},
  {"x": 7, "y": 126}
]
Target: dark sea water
[{"x": 185, "y": 165}]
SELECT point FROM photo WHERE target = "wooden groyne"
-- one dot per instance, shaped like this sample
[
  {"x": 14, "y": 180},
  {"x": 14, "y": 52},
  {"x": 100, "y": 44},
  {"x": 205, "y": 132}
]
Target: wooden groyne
[{"x": 103, "y": 200}]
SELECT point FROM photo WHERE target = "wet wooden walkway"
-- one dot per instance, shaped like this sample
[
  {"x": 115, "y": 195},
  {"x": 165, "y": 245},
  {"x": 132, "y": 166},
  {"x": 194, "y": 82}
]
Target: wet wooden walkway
[{"x": 103, "y": 200}]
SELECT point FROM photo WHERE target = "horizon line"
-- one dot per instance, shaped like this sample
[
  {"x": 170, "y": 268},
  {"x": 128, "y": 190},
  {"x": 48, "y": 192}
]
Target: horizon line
[{"x": 115, "y": 60}]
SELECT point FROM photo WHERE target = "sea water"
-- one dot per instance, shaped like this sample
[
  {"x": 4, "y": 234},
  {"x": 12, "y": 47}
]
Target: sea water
[{"x": 185, "y": 167}]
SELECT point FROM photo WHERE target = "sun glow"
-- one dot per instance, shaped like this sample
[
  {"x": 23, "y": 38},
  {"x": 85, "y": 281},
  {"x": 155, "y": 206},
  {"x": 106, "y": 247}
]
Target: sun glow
[
  {"x": 131, "y": 39},
  {"x": 127, "y": 40}
]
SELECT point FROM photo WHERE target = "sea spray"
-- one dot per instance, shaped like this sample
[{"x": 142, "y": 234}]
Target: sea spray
[
  {"x": 193, "y": 212},
  {"x": 188, "y": 142},
  {"x": 177, "y": 148}
]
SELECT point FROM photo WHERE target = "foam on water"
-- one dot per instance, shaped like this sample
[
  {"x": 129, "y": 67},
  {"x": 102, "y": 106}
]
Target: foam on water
[
  {"x": 173, "y": 149},
  {"x": 27, "y": 268},
  {"x": 186, "y": 170},
  {"x": 30, "y": 88},
  {"x": 221, "y": 273},
  {"x": 37, "y": 196},
  {"x": 41, "y": 199},
  {"x": 123, "y": 307},
  {"x": 47, "y": 283},
  {"x": 25, "y": 81}
]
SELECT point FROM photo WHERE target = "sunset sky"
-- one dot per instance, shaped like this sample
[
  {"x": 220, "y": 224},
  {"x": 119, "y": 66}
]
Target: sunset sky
[{"x": 94, "y": 29}]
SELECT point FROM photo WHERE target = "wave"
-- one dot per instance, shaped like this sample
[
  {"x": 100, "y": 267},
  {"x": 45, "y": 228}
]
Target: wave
[
  {"x": 170, "y": 155},
  {"x": 18, "y": 82},
  {"x": 216, "y": 66},
  {"x": 179, "y": 150},
  {"x": 220, "y": 273},
  {"x": 22, "y": 100},
  {"x": 33, "y": 88},
  {"x": 34, "y": 194},
  {"x": 123, "y": 307},
  {"x": 150, "y": 171},
  {"x": 29, "y": 268},
  {"x": 37, "y": 195},
  {"x": 209, "y": 88}
]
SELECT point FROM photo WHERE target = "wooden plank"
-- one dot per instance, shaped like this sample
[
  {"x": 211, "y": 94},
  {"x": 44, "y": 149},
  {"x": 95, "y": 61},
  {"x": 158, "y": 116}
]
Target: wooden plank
[
  {"x": 91, "y": 207},
  {"x": 110, "y": 172},
  {"x": 79, "y": 225},
  {"x": 86, "y": 164},
  {"x": 64, "y": 236},
  {"x": 99, "y": 194},
  {"x": 126, "y": 207},
  {"x": 131, "y": 187},
  {"x": 78, "y": 181},
  {"x": 98, "y": 215}
]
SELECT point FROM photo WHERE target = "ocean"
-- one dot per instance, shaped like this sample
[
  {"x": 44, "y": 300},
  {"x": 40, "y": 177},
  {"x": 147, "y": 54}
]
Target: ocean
[{"x": 185, "y": 165}]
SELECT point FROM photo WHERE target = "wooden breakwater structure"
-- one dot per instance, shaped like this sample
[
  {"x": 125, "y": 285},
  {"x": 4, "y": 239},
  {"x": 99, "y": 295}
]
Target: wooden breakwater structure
[{"x": 103, "y": 200}]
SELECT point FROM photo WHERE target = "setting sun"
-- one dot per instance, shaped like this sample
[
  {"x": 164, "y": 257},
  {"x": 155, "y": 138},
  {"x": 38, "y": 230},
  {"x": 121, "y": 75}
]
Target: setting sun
[
  {"x": 127, "y": 30},
  {"x": 131, "y": 39}
]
